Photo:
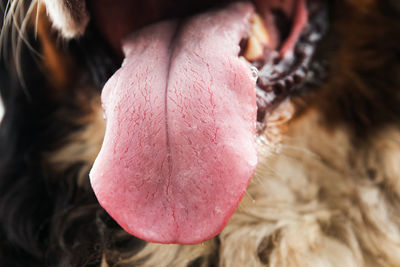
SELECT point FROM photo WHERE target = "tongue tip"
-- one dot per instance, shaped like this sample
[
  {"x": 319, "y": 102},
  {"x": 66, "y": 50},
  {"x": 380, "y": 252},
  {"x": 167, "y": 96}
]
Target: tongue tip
[
  {"x": 176, "y": 237},
  {"x": 188, "y": 233},
  {"x": 177, "y": 240},
  {"x": 164, "y": 229}
]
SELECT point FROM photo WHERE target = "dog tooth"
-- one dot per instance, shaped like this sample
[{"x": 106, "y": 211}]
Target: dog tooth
[
  {"x": 258, "y": 39},
  {"x": 254, "y": 49},
  {"x": 258, "y": 30}
]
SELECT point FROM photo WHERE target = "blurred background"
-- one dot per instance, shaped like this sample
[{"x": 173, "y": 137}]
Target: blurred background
[{"x": 1, "y": 109}]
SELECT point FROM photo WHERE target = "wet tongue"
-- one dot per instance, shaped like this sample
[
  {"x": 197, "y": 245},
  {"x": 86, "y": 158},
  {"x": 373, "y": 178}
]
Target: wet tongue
[{"x": 179, "y": 148}]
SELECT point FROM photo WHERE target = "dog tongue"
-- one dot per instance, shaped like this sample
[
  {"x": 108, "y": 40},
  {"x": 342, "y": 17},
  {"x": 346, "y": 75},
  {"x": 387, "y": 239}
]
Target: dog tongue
[{"x": 179, "y": 147}]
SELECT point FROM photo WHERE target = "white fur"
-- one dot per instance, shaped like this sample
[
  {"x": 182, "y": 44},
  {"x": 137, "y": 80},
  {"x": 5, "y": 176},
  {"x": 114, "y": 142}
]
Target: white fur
[{"x": 71, "y": 23}]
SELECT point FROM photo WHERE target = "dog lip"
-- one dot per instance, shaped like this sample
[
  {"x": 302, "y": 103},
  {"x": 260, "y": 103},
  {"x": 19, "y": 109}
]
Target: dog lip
[{"x": 286, "y": 71}]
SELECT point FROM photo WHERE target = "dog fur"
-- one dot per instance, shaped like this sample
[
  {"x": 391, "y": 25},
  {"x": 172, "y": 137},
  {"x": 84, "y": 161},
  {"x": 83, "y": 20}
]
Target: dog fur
[{"x": 326, "y": 191}]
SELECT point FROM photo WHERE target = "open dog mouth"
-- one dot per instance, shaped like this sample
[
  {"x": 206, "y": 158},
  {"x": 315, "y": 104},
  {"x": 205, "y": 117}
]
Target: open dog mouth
[{"x": 184, "y": 109}]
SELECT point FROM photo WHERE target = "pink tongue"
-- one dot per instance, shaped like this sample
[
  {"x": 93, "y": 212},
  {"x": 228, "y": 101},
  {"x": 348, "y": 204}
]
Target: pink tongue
[{"x": 179, "y": 148}]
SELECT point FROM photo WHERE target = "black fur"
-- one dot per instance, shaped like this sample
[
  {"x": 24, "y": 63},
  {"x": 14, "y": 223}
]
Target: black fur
[{"x": 45, "y": 218}]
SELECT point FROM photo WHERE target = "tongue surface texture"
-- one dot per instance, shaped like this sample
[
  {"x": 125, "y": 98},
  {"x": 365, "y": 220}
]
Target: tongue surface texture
[{"x": 179, "y": 148}]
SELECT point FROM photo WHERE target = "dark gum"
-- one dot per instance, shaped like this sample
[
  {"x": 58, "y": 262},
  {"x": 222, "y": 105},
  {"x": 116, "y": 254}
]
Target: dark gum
[{"x": 278, "y": 76}]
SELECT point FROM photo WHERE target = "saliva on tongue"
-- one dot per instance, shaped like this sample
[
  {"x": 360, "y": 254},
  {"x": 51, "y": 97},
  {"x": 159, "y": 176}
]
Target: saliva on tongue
[{"x": 179, "y": 147}]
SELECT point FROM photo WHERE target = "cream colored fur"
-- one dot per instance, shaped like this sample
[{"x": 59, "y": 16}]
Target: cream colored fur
[
  {"x": 315, "y": 201},
  {"x": 84, "y": 145}
]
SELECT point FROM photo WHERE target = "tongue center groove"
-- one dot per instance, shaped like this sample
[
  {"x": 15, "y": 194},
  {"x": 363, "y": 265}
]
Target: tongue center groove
[{"x": 169, "y": 151}]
